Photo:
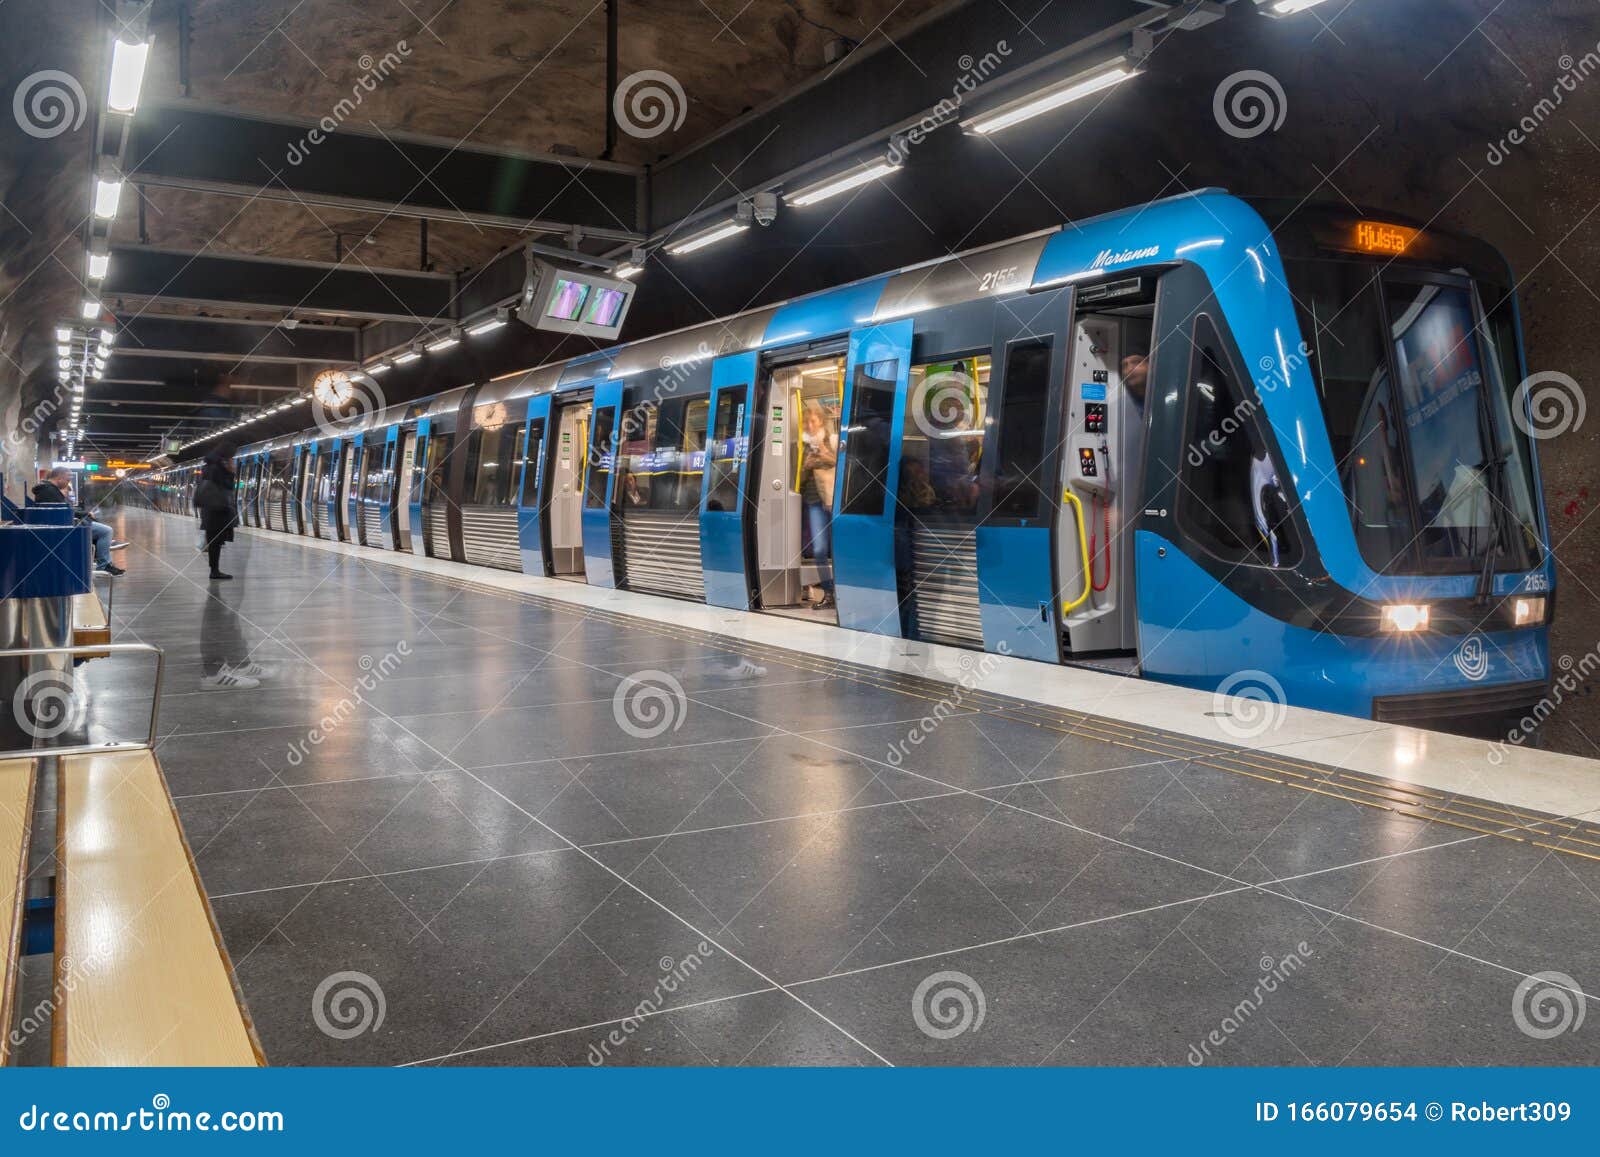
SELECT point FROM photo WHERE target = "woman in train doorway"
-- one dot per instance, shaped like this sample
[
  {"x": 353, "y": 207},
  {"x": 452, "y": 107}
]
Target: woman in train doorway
[
  {"x": 817, "y": 465},
  {"x": 214, "y": 499}
]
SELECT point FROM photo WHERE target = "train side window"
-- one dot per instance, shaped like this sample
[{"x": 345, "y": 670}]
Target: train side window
[
  {"x": 602, "y": 450},
  {"x": 866, "y": 455},
  {"x": 1230, "y": 498},
  {"x": 530, "y": 464},
  {"x": 1020, "y": 483},
  {"x": 727, "y": 451},
  {"x": 941, "y": 451}
]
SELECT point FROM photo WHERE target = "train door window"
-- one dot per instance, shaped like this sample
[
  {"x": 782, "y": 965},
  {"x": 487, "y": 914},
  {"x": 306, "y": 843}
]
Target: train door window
[
  {"x": 1020, "y": 483},
  {"x": 435, "y": 478},
  {"x": 1230, "y": 499},
  {"x": 866, "y": 465},
  {"x": 530, "y": 465},
  {"x": 490, "y": 465},
  {"x": 942, "y": 448},
  {"x": 602, "y": 452},
  {"x": 727, "y": 435}
]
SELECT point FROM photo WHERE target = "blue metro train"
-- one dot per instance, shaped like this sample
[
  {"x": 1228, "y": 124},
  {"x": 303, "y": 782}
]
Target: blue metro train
[{"x": 1201, "y": 441}]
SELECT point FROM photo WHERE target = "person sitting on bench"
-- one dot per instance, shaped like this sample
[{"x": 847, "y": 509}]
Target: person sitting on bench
[{"x": 54, "y": 488}]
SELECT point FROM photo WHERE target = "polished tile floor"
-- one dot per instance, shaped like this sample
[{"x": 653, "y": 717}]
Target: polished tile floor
[{"x": 529, "y": 835}]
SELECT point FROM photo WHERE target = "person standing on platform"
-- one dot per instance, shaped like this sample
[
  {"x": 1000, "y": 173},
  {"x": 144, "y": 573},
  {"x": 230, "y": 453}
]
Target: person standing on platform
[{"x": 214, "y": 499}]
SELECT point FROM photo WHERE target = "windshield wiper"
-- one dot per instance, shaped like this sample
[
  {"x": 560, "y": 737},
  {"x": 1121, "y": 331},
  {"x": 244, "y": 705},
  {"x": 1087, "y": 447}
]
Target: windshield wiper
[{"x": 1492, "y": 473}]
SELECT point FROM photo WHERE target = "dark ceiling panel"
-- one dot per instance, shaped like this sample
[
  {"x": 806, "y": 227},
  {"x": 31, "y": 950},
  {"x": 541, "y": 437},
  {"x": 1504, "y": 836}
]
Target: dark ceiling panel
[
  {"x": 187, "y": 147},
  {"x": 314, "y": 287},
  {"x": 227, "y": 340}
]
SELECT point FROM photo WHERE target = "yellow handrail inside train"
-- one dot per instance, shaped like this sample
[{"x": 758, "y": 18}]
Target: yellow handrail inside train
[{"x": 1083, "y": 546}]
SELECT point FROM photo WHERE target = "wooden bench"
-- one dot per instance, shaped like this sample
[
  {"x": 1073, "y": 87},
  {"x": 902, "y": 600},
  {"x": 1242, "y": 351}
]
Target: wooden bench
[
  {"x": 146, "y": 978},
  {"x": 16, "y": 826},
  {"x": 91, "y": 626}
]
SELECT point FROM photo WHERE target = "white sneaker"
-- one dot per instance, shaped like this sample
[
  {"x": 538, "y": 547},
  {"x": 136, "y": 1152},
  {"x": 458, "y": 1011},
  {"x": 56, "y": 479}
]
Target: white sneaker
[
  {"x": 227, "y": 680},
  {"x": 253, "y": 670}
]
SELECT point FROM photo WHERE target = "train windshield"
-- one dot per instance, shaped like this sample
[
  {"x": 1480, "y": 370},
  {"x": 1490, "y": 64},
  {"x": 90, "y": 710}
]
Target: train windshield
[{"x": 1416, "y": 391}]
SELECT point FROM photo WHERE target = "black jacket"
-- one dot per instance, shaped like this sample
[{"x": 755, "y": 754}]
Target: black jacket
[
  {"x": 48, "y": 491},
  {"x": 219, "y": 520}
]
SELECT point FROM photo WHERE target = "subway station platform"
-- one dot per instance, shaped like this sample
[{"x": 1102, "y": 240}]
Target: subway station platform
[{"x": 532, "y": 822}]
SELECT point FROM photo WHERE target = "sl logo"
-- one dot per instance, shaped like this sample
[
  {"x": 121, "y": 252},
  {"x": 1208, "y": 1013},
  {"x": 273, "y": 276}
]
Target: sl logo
[{"x": 1472, "y": 658}]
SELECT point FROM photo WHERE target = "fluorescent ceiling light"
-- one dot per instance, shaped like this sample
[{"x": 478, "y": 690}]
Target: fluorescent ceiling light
[
  {"x": 381, "y": 366},
  {"x": 485, "y": 326},
  {"x": 627, "y": 270},
  {"x": 402, "y": 359},
  {"x": 842, "y": 183},
  {"x": 63, "y": 351},
  {"x": 707, "y": 237},
  {"x": 91, "y": 308},
  {"x": 107, "y": 336},
  {"x": 1045, "y": 100},
  {"x": 63, "y": 333},
  {"x": 443, "y": 343},
  {"x": 98, "y": 264},
  {"x": 127, "y": 75},
  {"x": 107, "y": 194},
  {"x": 1287, "y": 7}
]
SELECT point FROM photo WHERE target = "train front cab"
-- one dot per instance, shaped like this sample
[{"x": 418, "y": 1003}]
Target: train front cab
[{"x": 1338, "y": 498}]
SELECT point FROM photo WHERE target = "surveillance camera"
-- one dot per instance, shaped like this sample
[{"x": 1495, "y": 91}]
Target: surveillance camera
[{"x": 766, "y": 208}]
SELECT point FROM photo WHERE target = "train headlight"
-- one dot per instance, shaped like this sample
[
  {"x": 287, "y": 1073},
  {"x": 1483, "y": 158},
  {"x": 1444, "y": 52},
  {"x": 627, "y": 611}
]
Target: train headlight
[
  {"x": 1405, "y": 618},
  {"x": 1527, "y": 612}
]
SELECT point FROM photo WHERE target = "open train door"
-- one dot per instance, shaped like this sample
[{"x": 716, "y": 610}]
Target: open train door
[
  {"x": 1025, "y": 519},
  {"x": 867, "y": 484},
  {"x": 414, "y": 486},
  {"x": 723, "y": 557},
  {"x": 530, "y": 489}
]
